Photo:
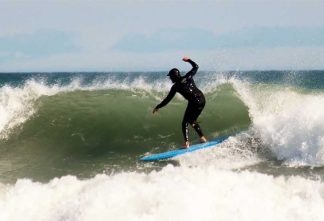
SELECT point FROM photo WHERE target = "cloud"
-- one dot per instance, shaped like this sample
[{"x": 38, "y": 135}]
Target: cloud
[
  {"x": 308, "y": 58},
  {"x": 198, "y": 39},
  {"x": 37, "y": 44},
  {"x": 254, "y": 48},
  {"x": 168, "y": 39},
  {"x": 271, "y": 37}
]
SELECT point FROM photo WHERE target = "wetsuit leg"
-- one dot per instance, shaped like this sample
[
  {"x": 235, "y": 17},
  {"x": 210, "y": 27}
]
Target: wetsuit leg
[
  {"x": 190, "y": 117},
  {"x": 195, "y": 116},
  {"x": 197, "y": 129},
  {"x": 185, "y": 123}
]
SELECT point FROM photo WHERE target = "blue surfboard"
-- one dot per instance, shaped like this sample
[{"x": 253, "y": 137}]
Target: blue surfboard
[{"x": 173, "y": 153}]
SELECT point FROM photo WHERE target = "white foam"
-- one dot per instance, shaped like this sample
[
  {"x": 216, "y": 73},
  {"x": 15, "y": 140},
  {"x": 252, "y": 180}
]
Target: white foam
[
  {"x": 233, "y": 153},
  {"x": 289, "y": 122},
  {"x": 175, "y": 193}
]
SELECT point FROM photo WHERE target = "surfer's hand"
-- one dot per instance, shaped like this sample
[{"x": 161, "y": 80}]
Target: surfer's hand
[
  {"x": 185, "y": 58},
  {"x": 155, "y": 110}
]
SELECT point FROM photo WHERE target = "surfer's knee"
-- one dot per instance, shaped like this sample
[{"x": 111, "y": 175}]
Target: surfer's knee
[{"x": 193, "y": 124}]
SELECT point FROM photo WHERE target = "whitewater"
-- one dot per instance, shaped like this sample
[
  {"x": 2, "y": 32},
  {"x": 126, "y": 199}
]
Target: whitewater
[{"x": 70, "y": 144}]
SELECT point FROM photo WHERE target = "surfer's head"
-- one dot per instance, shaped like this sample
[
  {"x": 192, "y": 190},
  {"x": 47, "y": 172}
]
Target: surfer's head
[{"x": 174, "y": 75}]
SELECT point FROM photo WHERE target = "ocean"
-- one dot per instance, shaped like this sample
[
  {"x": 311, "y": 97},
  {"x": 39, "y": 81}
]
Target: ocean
[{"x": 70, "y": 145}]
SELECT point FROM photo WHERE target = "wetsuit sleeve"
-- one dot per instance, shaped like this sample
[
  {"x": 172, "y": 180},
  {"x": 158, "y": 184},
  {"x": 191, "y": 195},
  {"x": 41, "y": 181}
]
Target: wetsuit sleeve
[
  {"x": 168, "y": 98},
  {"x": 194, "y": 69}
]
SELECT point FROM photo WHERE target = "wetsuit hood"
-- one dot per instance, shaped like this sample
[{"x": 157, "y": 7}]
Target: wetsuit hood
[{"x": 174, "y": 75}]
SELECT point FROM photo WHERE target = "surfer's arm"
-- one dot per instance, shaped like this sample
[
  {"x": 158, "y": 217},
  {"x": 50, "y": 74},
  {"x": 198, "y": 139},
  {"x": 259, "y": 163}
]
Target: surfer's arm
[
  {"x": 194, "y": 69},
  {"x": 166, "y": 100}
]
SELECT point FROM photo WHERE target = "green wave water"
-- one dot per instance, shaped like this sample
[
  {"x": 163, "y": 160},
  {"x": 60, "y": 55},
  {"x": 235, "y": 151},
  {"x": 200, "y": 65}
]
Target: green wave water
[{"x": 85, "y": 132}]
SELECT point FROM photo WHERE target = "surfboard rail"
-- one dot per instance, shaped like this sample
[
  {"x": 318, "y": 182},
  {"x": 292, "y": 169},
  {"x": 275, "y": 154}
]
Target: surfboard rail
[{"x": 177, "y": 152}]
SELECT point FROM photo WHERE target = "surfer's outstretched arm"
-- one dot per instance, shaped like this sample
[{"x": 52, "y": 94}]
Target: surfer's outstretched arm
[
  {"x": 166, "y": 100},
  {"x": 194, "y": 69}
]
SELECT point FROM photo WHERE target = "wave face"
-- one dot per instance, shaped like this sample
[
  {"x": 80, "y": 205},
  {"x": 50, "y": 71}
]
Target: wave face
[
  {"x": 71, "y": 122},
  {"x": 71, "y": 142}
]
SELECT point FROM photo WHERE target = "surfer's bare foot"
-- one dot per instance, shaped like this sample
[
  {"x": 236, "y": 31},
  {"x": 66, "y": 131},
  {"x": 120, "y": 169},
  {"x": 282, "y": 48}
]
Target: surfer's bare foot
[
  {"x": 185, "y": 145},
  {"x": 203, "y": 139}
]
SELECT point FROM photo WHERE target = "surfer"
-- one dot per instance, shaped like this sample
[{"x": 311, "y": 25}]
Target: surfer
[{"x": 186, "y": 86}]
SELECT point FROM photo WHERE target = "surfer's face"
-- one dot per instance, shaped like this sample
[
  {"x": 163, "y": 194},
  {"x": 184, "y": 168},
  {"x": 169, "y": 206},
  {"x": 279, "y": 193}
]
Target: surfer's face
[
  {"x": 174, "y": 78},
  {"x": 174, "y": 75}
]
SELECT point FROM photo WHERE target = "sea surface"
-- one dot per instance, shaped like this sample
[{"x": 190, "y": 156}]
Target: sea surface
[{"x": 70, "y": 144}]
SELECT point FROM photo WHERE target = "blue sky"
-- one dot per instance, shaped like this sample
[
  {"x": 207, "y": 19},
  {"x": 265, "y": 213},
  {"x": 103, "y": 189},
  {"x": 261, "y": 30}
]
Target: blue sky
[{"x": 153, "y": 35}]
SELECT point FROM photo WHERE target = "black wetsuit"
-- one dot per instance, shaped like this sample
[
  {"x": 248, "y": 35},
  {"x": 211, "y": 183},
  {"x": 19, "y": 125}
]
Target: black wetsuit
[{"x": 196, "y": 100}]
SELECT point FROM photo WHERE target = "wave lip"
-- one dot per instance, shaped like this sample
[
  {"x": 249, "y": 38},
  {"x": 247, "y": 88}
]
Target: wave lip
[{"x": 18, "y": 102}]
